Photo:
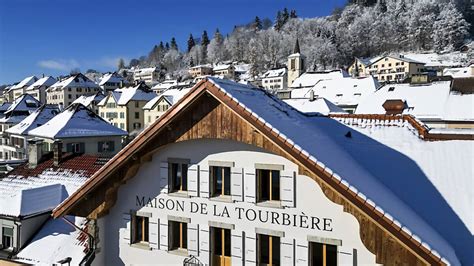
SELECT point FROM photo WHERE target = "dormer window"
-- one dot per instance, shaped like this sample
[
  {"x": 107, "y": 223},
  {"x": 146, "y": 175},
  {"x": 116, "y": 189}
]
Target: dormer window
[{"x": 391, "y": 88}]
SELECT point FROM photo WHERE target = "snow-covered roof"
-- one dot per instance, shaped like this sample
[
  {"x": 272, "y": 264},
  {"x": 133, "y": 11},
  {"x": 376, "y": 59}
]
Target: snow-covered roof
[
  {"x": 201, "y": 66},
  {"x": 459, "y": 72},
  {"x": 112, "y": 77},
  {"x": 45, "y": 81},
  {"x": 165, "y": 84},
  {"x": 341, "y": 91},
  {"x": 318, "y": 105},
  {"x": 427, "y": 101},
  {"x": 242, "y": 68},
  {"x": 39, "y": 117},
  {"x": 147, "y": 70},
  {"x": 139, "y": 92},
  {"x": 274, "y": 73},
  {"x": 61, "y": 240},
  {"x": 24, "y": 83},
  {"x": 400, "y": 57},
  {"x": 87, "y": 100},
  {"x": 171, "y": 95},
  {"x": 74, "y": 122},
  {"x": 309, "y": 79},
  {"x": 438, "y": 60},
  {"x": 25, "y": 102},
  {"x": 405, "y": 194},
  {"x": 221, "y": 67},
  {"x": 74, "y": 81}
]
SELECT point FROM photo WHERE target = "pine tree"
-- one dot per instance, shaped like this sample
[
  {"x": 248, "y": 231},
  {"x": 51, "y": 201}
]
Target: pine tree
[
  {"x": 121, "y": 64},
  {"x": 293, "y": 14},
  {"x": 257, "y": 24},
  {"x": 285, "y": 16},
  {"x": 167, "y": 46},
  {"x": 191, "y": 62},
  {"x": 204, "y": 39},
  {"x": 173, "y": 44},
  {"x": 161, "y": 46},
  {"x": 191, "y": 42},
  {"x": 278, "y": 21}
]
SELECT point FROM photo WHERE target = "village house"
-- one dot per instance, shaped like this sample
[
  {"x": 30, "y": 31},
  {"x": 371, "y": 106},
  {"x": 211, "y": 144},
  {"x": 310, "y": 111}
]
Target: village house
[
  {"x": 231, "y": 175},
  {"x": 112, "y": 81},
  {"x": 123, "y": 107},
  {"x": 65, "y": 91},
  {"x": 460, "y": 72},
  {"x": 438, "y": 104},
  {"x": 80, "y": 130},
  {"x": 200, "y": 71},
  {"x": 161, "y": 103},
  {"x": 275, "y": 79},
  {"x": 21, "y": 108},
  {"x": 17, "y": 136},
  {"x": 150, "y": 75},
  {"x": 17, "y": 90},
  {"x": 38, "y": 89},
  {"x": 225, "y": 70},
  {"x": 360, "y": 66},
  {"x": 166, "y": 84},
  {"x": 29, "y": 193},
  {"x": 91, "y": 102}
]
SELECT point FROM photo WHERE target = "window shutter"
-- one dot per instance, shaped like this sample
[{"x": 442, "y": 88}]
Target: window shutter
[
  {"x": 204, "y": 247},
  {"x": 250, "y": 183},
  {"x": 164, "y": 177},
  {"x": 287, "y": 188},
  {"x": 163, "y": 235},
  {"x": 236, "y": 243},
  {"x": 193, "y": 236},
  {"x": 204, "y": 182},
  {"x": 302, "y": 253},
  {"x": 82, "y": 147},
  {"x": 127, "y": 234},
  {"x": 193, "y": 179},
  {"x": 250, "y": 248},
  {"x": 100, "y": 144},
  {"x": 69, "y": 147},
  {"x": 153, "y": 233},
  {"x": 287, "y": 250},
  {"x": 236, "y": 180}
]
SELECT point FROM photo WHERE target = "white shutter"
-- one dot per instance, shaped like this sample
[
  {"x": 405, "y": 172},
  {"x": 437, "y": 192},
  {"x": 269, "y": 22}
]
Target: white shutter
[
  {"x": 204, "y": 182},
  {"x": 250, "y": 183},
  {"x": 204, "y": 246},
  {"x": 286, "y": 251},
  {"x": 163, "y": 235},
  {"x": 236, "y": 181},
  {"x": 127, "y": 233},
  {"x": 153, "y": 233},
  {"x": 250, "y": 248},
  {"x": 193, "y": 231},
  {"x": 164, "y": 177},
  {"x": 301, "y": 253},
  {"x": 193, "y": 180},
  {"x": 236, "y": 251},
  {"x": 287, "y": 188}
]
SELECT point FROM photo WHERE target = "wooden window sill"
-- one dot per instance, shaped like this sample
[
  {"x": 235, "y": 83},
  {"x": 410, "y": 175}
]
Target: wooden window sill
[
  {"x": 141, "y": 245},
  {"x": 270, "y": 204}
]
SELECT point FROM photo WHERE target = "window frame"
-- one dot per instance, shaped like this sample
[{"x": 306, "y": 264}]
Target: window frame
[
  {"x": 259, "y": 192},
  {"x": 141, "y": 222},
  {"x": 183, "y": 186},
  {"x": 183, "y": 238},
  {"x": 213, "y": 182},
  {"x": 325, "y": 253},
  {"x": 271, "y": 240}
]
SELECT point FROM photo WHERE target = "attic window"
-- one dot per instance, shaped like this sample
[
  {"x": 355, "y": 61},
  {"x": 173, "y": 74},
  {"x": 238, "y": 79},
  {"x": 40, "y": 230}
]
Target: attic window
[
  {"x": 391, "y": 89},
  {"x": 324, "y": 87},
  {"x": 338, "y": 95},
  {"x": 355, "y": 86},
  {"x": 357, "y": 94}
]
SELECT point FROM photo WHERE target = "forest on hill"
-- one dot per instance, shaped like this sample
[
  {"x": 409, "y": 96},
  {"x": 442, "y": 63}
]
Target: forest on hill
[{"x": 362, "y": 28}]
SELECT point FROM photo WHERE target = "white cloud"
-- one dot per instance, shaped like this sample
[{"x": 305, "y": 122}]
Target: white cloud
[
  {"x": 109, "y": 62},
  {"x": 64, "y": 65}
]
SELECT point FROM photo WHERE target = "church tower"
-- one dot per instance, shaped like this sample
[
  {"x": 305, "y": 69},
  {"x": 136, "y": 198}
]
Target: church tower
[{"x": 295, "y": 64}]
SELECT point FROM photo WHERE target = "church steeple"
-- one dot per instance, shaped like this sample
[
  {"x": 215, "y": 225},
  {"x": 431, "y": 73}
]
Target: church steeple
[{"x": 296, "y": 50}]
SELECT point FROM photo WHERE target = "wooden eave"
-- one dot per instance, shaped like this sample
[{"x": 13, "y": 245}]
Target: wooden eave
[{"x": 131, "y": 151}]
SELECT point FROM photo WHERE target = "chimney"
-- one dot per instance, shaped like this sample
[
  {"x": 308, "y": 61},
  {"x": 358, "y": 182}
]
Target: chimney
[
  {"x": 58, "y": 152},
  {"x": 121, "y": 83},
  {"x": 311, "y": 95},
  {"x": 35, "y": 152}
]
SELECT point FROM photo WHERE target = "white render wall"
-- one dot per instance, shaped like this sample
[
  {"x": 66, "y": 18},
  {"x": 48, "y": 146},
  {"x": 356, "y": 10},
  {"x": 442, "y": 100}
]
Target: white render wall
[{"x": 114, "y": 234}]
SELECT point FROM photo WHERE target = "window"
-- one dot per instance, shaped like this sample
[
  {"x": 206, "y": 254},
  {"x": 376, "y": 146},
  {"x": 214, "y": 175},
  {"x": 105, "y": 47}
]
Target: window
[
  {"x": 178, "y": 177},
  {"x": 139, "y": 229},
  {"x": 137, "y": 115},
  {"x": 7, "y": 237},
  {"x": 137, "y": 104},
  {"x": 268, "y": 185},
  {"x": 322, "y": 254},
  {"x": 268, "y": 248},
  {"x": 220, "y": 177},
  {"x": 105, "y": 146},
  {"x": 178, "y": 235},
  {"x": 122, "y": 115},
  {"x": 391, "y": 88},
  {"x": 220, "y": 246},
  {"x": 122, "y": 125}
]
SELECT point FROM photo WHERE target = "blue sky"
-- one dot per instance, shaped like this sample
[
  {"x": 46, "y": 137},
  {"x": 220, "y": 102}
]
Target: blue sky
[{"x": 54, "y": 36}]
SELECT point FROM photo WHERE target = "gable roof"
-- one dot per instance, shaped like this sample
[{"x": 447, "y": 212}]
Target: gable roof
[
  {"x": 112, "y": 77},
  {"x": 398, "y": 57},
  {"x": 45, "y": 81},
  {"x": 87, "y": 100},
  {"x": 322, "y": 146},
  {"x": 25, "y": 102},
  {"x": 74, "y": 122},
  {"x": 39, "y": 117},
  {"x": 74, "y": 81},
  {"x": 171, "y": 95},
  {"x": 24, "y": 83}
]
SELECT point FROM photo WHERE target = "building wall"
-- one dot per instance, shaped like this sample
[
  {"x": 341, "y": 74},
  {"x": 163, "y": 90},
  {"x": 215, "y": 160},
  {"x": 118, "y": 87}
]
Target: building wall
[
  {"x": 363, "y": 72},
  {"x": 393, "y": 69},
  {"x": 307, "y": 201},
  {"x": 23, "y": 229},
  {"x": 39, "y": 94},
  {"x": 123, "y": 116},
  {"x": 200, "y": 71},
  {"x": 90, "y": 144},
  {"x": 66, "y": 96},
  {"x": 275, "y": 83},
  {"x": 295, "y": 67},
  {"x": 152, "y": 115}
]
